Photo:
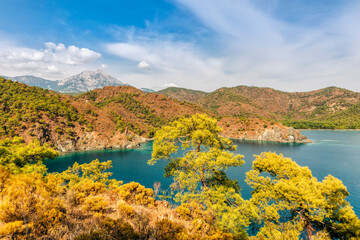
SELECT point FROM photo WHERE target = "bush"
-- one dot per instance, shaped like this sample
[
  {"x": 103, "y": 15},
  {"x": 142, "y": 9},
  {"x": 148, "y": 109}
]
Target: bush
[
  {"x": 134, "y": 193},
  {"x": 95, "y": 204},
  {"x": 168, "y": 230},
  {"x": 126, "y": 210}
]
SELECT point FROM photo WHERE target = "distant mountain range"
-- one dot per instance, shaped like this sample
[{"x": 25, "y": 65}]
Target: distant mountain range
[
  {"x": 82, "y": 82},
  {"x": 328, "y": 108}
]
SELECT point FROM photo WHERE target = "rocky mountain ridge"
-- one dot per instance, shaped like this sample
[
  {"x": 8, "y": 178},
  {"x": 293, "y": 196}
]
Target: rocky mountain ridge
[
  {"x": 87, "y": 81},
  {"x": 82, "y": 82}
]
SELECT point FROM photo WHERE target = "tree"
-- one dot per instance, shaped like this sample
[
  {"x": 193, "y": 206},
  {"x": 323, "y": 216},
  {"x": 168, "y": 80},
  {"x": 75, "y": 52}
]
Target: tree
[
  {"x": 20, "y": 157},
  {"x": 199, "y": 168},
  {"x": 290, "y": 200}
]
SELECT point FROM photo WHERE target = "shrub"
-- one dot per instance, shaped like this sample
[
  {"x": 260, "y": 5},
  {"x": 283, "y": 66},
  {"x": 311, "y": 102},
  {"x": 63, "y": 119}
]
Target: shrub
[
  {"x": 134, "y": 193},
  {"x": 168, "y": 230},
  {"x": 118, "y": 229},
  {"x": 126, "y": 210},
  {"x": 95, "y": 204}
]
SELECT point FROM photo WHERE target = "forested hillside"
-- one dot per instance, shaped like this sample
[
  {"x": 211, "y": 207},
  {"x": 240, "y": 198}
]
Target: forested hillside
[
  {"x": 112, "y": 117},
  {"x": 324, "y": 108}
]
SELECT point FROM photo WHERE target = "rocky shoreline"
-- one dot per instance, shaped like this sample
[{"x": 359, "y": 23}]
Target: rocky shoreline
[
  {"x": 276, "y": 135},
  {"x": 99, "y": 144},
  {"x": 280, "y": 135}
]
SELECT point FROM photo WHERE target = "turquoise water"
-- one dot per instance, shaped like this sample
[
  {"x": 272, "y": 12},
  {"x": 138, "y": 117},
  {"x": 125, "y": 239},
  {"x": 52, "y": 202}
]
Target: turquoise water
[{"x": 333, "y": 152}]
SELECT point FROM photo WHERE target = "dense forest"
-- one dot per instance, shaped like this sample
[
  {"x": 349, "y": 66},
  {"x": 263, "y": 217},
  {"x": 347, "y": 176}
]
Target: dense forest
[
  {"x": 24, "y": 107},
  {"x": 347, "y": 119},
  {"x": 84, "y": 202}
]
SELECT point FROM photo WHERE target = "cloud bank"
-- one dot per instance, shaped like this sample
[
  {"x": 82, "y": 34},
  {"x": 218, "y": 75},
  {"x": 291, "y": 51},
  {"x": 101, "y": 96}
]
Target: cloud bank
[
  {"x": 251, "y": 45},
  {"x": 55, "y": 61}
]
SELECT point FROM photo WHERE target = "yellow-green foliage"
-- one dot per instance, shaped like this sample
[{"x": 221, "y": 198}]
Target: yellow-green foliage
[
  {"x": 87, "y": 180},
  {"x": 134, "y": 193},
  {"x": 13, "y": 228},
  {"x": 200, "y": 172},
  {"x": 31, "y": 199},
  {"x": 84, "y": 203},
  {"x": 207, "y": 154},
  {"x": 189, "y": 211},
  {"x": 203, "y": 223},
  {"x": 111, "y": 229},
  {"x": 95, "y": 204},
  {"x": 291, "y": 190},
  {"x": 22, "y": 105},
  {"x": 168, "y": 230},
  {"x": 126, "y": 210},
  {"x": 20, "y": 157}
]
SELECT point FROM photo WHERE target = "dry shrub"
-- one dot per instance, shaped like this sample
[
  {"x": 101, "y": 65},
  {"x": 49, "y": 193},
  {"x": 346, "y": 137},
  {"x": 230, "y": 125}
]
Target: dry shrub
[
  {"x": 134, "y": 193},
  {"x": 126, "y": 210},
  {"x": 95, "y": 204},
  {"x": 168, "y": 230}
]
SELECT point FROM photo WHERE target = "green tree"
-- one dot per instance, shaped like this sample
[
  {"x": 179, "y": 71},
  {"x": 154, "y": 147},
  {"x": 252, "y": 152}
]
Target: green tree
[
  {"x": 199, "y": 171},
  {"x": 290, "y": 201},
  {"x": 20, "y": 157}
]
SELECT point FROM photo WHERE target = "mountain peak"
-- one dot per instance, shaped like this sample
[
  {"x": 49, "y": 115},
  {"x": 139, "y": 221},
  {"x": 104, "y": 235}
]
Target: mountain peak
[{"x": 89, "y": 80}]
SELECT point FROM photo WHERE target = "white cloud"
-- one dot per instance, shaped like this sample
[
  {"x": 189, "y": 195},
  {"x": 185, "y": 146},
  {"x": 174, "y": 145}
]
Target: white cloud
[
  {"x": 144, "y": 65},
  {"x": 54, "y": 62},
  {"x": 263, "y": 50},
  {"x": 180, "y": 62},
  {"x": 166, "y": 85},
  {"x": 250, "y": 46},
  {"x": 71, "y": 55},
  {"x": 52, "y": 68}
]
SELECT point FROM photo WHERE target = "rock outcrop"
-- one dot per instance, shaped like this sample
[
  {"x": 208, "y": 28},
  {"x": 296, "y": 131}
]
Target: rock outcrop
[{"x": 254, "y": 129}]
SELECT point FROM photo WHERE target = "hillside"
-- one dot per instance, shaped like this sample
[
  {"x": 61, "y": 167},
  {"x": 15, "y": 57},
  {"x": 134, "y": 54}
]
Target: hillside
[
  {"x": 112, "y": 117},
  {"x": 321, "y": 106},
  {"x": 183, "y": 94}
]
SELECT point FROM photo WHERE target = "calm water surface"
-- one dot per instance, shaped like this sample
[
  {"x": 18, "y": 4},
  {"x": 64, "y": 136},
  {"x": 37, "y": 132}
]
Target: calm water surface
[{"x": 333, "y": 152}]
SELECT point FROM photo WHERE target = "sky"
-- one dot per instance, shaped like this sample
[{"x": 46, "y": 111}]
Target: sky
[{"x": 290, "y": 45}]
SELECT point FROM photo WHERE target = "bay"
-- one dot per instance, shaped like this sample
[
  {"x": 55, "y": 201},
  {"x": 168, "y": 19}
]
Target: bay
[{"x": 332, "y": 152}]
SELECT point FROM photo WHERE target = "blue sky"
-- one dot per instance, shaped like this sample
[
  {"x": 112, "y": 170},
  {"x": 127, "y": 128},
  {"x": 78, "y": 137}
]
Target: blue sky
[{"x": 292, "y": 45}]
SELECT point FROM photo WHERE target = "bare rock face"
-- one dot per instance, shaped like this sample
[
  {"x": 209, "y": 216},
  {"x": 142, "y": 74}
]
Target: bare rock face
[
  {"x": 94, "y": 141},
  {"x": 88, "y": 80},
  {"x": 285, "y": 135},
  {"x": 254, "y": 129}
]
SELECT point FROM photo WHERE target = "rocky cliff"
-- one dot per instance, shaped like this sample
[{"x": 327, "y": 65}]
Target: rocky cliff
[{"x": 254, "y": 129}]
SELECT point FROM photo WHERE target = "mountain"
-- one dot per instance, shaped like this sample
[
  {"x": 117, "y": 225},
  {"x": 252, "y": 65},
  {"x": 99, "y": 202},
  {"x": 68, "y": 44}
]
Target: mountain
[
  {"x": 37, "y": 82},
  {"x": 83, "y": 82},
  {"x": 147, "y": 90},
  {"x": 111, "y": 117},
  {"x": 316, "y": 108},
  {"x": 87, "y": 81}
]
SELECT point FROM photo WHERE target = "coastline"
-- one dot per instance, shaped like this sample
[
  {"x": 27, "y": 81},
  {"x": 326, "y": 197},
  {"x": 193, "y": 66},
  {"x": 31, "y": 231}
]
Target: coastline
[{"x": 127, "y": 146}]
